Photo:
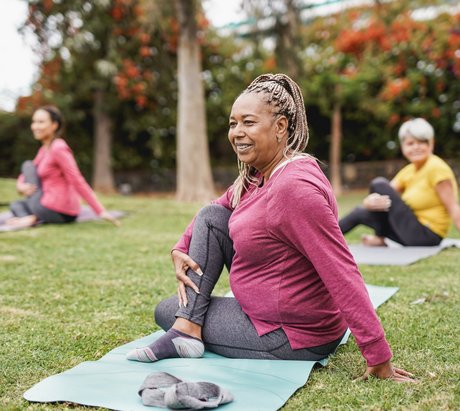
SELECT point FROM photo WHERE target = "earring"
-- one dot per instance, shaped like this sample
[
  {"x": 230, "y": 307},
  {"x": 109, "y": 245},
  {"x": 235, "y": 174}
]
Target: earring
[{"x": 278, "y": 138}]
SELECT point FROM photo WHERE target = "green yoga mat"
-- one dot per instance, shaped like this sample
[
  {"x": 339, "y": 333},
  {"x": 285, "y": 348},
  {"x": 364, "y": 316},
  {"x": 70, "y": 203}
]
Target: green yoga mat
[{"x": 112, "y": 381}]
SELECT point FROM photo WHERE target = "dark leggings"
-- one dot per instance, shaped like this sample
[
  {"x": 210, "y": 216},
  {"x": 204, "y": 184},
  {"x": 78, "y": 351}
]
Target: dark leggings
[
  {"x": 227, "y": 330},
  {"x": 398, "y": 224},
  {"x": 31, "y": 205}
]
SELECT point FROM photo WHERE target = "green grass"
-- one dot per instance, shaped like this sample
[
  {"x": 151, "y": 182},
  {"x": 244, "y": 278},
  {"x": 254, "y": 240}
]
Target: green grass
[{"x": 72, "y": 293}]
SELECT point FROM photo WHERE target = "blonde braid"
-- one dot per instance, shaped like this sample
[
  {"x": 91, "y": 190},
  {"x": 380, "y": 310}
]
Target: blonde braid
[{"x": 284, "y": 94}]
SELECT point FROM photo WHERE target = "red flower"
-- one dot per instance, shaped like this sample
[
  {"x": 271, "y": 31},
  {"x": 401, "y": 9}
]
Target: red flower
[
  {"x": 436, "y": 112},
  {"x": 145, "y": 51},
  {"x": 141, "y": 101},
  {"x": 117, "y": 13},
  {"x": 144, "y": 38}
]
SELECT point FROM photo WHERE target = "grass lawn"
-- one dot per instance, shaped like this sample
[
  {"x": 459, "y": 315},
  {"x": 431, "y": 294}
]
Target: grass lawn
[{"x": 72, "y": 293}]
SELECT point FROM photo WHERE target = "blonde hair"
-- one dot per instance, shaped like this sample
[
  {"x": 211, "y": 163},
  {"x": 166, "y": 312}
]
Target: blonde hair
[
  {"x": 285, "y": 96},
  {"x": 417, "y": 128}
]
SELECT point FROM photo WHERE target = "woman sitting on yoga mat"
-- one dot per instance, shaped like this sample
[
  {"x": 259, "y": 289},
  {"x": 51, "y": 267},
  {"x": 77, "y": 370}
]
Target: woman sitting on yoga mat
[
  {"x": 417, "y": 207},
  {"x": 296, "y": 285},
  {"x": 52, "y": 183}
]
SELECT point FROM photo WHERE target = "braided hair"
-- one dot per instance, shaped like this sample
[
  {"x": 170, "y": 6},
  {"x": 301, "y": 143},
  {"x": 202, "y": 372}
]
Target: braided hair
[{"x": 285, "y": 96}]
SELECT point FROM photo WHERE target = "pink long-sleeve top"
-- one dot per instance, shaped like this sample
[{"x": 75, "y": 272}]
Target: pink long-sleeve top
[
  {"x": 292, "y": 268},
  {"x": 62, "y": 182}
]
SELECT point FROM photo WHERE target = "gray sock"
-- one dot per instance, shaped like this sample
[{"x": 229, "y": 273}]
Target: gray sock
[
  {"x": 196, "y": 395},
  {"x": 173, "y": 344},
  {"x": 161, "y": 389},
  {"x": 152, "y": 390}
]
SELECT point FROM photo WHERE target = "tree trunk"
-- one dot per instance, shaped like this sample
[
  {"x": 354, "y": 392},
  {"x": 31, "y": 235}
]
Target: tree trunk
[
  {"x": 289, "y": 41},
  {"x": 335, "y": 149},
  {"x": 102, "y": 175},
  {"x": 194, "y": 177}
]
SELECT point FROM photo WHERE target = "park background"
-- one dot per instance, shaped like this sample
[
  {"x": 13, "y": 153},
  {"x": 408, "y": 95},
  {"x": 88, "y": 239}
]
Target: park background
[
  {"x": 146, "y": 87},
  {"x": 72, "y": 293}
]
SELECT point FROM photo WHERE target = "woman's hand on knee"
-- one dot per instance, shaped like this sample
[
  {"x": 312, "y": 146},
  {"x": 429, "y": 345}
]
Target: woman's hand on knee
[
  {"x": 386, "y": 371},
  {"x": 26, "y": 189},
  {"x": 182, "y": 262},
  {"x": 377, "y": 202}
]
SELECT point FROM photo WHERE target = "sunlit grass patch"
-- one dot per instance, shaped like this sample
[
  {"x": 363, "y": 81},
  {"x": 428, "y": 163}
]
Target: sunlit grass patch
[{"x": 72, "y": 293}]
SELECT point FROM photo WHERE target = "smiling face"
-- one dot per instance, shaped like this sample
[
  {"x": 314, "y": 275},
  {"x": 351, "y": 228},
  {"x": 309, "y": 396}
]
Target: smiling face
[
  {"x": 253, "y": 132},
  {"x": 417, "y": 151},
  {"x": 42, "y": 126}
]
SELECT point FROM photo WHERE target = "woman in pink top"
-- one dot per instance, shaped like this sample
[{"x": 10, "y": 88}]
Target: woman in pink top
[
  {"x": 297, "y": 288},
  {"x": 52, "y": 183}
]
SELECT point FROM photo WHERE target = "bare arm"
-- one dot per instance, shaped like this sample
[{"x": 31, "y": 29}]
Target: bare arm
[{"x": 445, "y": 191}]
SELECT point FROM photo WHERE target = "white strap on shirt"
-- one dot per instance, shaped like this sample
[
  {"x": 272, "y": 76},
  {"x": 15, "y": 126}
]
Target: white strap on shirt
[{"x": 285, "y": 162}]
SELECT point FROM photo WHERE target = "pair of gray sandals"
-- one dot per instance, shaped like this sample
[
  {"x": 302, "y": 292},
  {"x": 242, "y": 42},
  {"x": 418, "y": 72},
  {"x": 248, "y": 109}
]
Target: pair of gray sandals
[{"x": 161, "y": 389}]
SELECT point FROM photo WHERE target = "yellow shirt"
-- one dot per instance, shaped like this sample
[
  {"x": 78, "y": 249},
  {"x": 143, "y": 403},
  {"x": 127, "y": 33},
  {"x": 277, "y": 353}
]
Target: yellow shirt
[{"x": 419, "y": 193}]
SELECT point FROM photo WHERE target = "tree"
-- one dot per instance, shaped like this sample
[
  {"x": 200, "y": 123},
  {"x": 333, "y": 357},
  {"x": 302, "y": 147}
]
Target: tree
[
  {"x": 194, "y": 178},
  {"x": 329, "y": 87},
  {"x": 280, "y": 20},
  {"x": 417, "y": 61},
  {"x": 289, "y": 44},
  {"x": 336, "y": 145}
]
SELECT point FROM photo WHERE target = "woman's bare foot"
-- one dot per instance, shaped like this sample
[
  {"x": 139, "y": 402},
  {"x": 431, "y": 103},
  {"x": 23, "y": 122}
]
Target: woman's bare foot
[
  {"x": 373, "y": 240},
  {"x": 27, "y": 221}
]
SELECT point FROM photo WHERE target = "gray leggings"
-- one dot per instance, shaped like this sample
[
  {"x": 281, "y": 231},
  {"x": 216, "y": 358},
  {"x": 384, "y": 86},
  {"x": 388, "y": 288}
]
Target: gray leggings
[
  {"x": 227, "y": 330},
  {"x": 31, "y": 205}
]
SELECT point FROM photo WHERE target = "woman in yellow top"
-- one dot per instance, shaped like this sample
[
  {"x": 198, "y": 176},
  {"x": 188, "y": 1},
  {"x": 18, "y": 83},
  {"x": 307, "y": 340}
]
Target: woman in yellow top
[{"x": 417, "y": 207}]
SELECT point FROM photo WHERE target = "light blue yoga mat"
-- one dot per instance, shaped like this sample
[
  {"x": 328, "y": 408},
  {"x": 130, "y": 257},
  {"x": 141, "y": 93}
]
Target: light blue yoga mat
[{"x": 112, "y": 381}]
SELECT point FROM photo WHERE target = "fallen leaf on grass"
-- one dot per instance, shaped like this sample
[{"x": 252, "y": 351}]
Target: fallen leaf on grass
[
  {"x": 8, "y": 258},
  {"x": 419, "y": 301},
  {"x": 431, "y": 298}
]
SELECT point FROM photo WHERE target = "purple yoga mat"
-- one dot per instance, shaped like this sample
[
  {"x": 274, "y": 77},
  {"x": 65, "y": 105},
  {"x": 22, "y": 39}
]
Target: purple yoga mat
[{"x": 86, "y": 214}]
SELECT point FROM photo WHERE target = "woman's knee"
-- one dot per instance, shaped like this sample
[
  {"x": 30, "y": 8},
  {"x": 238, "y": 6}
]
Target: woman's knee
[
  {"x": 27, "y": 165},
  {"x": 215, "y": 214},
  {"x": 380, "y": 185}
]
